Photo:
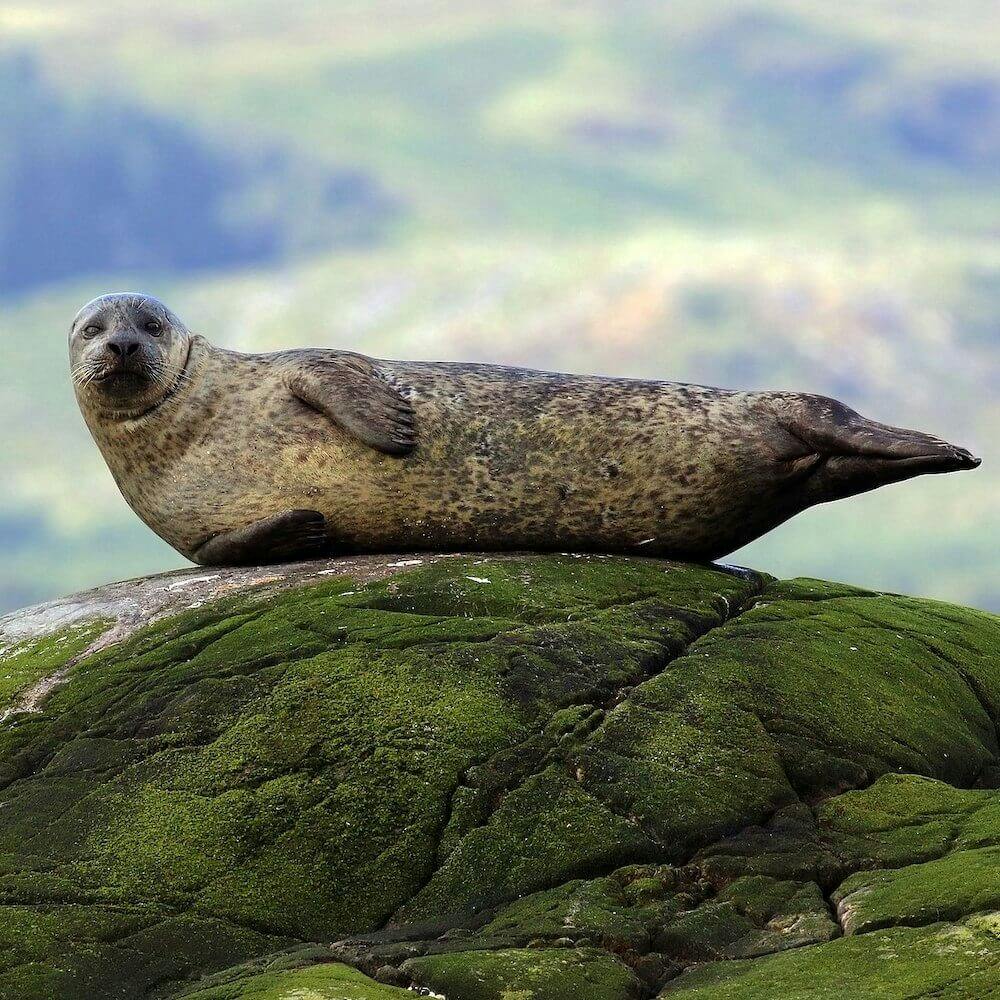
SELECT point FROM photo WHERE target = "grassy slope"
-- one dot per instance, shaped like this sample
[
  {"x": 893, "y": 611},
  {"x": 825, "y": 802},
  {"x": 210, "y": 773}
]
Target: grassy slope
[{"x": 697, "y": 198}]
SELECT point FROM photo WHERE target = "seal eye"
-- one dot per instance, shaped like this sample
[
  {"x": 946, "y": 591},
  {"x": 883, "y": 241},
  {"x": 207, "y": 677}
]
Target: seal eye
[
  {"x": 154, "y": 328},
  {"x": 91, "y": 331}
]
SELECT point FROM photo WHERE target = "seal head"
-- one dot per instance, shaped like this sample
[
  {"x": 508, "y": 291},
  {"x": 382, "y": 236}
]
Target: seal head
[{"x": 128, "y": 353}]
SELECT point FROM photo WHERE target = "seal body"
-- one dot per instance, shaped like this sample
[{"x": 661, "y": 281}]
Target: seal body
[{"x": 481, "y": 457}]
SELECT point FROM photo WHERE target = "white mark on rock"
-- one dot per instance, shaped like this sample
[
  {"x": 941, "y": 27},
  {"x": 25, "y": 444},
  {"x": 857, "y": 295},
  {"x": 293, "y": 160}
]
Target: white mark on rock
[{"x": 192, "y": 580}]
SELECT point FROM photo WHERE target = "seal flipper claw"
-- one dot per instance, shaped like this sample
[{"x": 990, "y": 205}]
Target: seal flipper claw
[
  {"x": 350, "y": 392},
  {"x": 285, "y": 537}
]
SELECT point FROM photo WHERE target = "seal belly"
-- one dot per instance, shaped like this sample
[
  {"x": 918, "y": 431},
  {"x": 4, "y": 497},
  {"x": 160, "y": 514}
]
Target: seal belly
[{"x": 539, "y": 461}]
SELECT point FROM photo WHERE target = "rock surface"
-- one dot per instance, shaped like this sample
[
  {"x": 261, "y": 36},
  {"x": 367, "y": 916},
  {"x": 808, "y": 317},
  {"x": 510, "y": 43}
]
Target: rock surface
[{"x": 498, "y": 778}]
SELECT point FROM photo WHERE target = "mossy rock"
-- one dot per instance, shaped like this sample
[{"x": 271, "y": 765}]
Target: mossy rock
[
  {"x": 513, "y": 777},
  {"x": 305, "y": 974},
  {"x": 943, "y": 961}
]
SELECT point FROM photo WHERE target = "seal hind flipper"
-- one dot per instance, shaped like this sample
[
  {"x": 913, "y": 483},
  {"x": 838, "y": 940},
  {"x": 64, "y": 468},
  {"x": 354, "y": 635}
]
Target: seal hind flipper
[
  {"x": 349, "y": 391},
  {"x": 854, "y": 454},
  {"x": 285, "y": 537}
]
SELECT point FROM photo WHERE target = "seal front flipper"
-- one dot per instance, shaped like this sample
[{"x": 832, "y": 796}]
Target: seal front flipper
[
  {"x": 350, "y": 391},
  {"x": 285, "y": 537}
]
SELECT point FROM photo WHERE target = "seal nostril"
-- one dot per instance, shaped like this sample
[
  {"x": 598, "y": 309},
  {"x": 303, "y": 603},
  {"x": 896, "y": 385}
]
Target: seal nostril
[
  {"x": 114, "y": 348},
  {"x": 131, "y": 348}
]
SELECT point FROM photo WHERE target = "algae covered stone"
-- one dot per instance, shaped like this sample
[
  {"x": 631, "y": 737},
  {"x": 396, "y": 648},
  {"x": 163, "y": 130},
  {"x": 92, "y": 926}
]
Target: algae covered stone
[
  {"x": 279, "y": 979},
  {"x": 946, "y": 961},
  {"x": 536, "y": 776},
  {"x": 554, "y": 973}
]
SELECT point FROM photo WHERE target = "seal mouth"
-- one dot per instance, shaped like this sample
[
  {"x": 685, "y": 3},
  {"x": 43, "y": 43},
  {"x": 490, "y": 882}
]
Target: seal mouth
[
  {"x": 114, "y": 379},
  {"x": 123, "y": 376}
]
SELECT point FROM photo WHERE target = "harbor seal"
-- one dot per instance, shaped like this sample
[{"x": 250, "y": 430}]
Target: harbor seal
[{"x": 253, "y": 458}]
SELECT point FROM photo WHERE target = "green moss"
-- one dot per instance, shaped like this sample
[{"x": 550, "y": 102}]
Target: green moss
[
  {"x": 755, "y": 915},
  {"x": 78, "y": 952},
  {"x": 579, "y": 747},
  {"x": 640, "y": 909},
  {"x": 904, "y": 819},
  {"x": 289, "y": 764},
  {"x": 24, "y": 663},
  {"x": 330, "y": 981},
  {"x": 963, "y": 638},
  {"x": 798, "y": 696},
  {"x": 900, "y": 820},
  {"x": 526, "y": 974},
  {"x": 331, "y": 783},
  {"x": 554, "y": 588},
  {"x": 544, "y": 832},
  {"x": 620, "y": 911},
  {"x": 787, "y": 847},
  {"x": 943, "y": 961},
  {"x": 959, "y": 884}
]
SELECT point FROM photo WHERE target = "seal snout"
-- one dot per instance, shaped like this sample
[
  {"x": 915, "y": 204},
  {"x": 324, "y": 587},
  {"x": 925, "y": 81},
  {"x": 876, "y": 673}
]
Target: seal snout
[
  {"x": 123, "y": 353},
  {"x": 122, "y": 347},
  {"x": 122, "y": 358}
]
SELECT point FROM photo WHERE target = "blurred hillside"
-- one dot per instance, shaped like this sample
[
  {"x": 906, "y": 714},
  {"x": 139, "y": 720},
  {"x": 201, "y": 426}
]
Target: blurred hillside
[{"x": 768, "y": 194}]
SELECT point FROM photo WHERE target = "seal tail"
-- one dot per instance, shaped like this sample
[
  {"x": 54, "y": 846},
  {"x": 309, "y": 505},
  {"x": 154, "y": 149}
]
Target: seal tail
[{"x": 854, "y": 454}]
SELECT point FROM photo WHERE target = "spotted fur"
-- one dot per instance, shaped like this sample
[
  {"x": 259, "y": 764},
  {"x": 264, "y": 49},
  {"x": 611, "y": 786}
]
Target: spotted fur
[{"x": 498, "y": 458}]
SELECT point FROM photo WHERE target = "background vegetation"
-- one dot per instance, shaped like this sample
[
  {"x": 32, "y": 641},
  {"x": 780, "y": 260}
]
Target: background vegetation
[{"x": 775, "y": 193}]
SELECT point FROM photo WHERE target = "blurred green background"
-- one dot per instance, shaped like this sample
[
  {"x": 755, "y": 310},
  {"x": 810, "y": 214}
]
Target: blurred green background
[{"x": 786, "y": 194}]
